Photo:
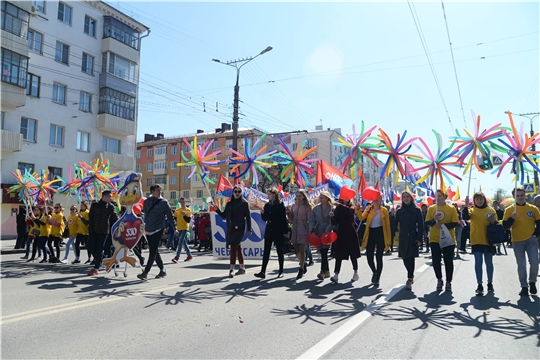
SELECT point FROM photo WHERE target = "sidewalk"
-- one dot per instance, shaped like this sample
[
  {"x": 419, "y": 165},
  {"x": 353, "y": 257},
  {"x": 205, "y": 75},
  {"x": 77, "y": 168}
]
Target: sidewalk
[{"x": 7, "y": 247}]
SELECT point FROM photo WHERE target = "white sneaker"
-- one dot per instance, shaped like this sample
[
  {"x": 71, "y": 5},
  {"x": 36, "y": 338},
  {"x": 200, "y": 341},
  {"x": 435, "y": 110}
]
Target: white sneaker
[
  {"x": 64, "y": 261},
  {"x": 355, "y": 277},
  {"x": 334, "y": 279}
]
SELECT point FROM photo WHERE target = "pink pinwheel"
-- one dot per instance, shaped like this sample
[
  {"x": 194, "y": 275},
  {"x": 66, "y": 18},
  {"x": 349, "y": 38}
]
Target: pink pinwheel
[
  {"x": 252, "y": 160},
  {"x": 517, "y": 146},
  {"x": 357, "y": 148},
  {"x": 297, "y": 166},
  {"x": 397, "y": 155},
  {"x": 436, "y": 165},
  {"x": 201, "y": 162}
]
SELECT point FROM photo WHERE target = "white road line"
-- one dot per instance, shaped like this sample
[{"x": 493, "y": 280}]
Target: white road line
[
  {"x": 323, "y": 346},
  {"x": 423, "y": 268}
]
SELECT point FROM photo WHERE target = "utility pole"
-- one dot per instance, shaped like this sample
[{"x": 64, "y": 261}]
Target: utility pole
[{"x": 234, "y": 64}]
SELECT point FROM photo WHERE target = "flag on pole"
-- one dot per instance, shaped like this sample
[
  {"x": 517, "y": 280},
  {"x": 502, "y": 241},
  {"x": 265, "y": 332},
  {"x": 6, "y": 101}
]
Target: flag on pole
[{"x": 224, "y": 186}]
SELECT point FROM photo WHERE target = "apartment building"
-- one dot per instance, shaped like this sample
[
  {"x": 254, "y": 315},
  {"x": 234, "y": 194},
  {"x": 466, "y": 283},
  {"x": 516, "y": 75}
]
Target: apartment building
[
  {"x": 69, "y": 86},
  {"x": 157, "y": 158}
]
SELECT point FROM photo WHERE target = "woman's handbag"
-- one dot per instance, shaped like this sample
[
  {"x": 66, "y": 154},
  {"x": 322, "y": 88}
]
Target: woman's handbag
[
  {"x": 496, "y": 234},
  {"x": 445, "y": 238}
]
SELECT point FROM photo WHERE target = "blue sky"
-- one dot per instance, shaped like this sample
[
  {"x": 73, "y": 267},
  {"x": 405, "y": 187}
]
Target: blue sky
[{"x": 341, "y": 63}]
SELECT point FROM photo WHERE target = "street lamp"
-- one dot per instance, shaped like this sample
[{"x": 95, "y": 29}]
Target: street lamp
[
  {"x": 530, "y": 116},
  {"x": 235, "y": 63}
]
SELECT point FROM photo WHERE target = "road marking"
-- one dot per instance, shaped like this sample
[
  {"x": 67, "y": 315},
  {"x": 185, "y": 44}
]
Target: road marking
[
  {"x": 323, "y": 346},
  {"x": 423, "y": 268}
]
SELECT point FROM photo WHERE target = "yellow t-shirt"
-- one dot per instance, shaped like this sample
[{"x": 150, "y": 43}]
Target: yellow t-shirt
[
  {"x": 33, "y": 227},
  {"x": 479, "y": 224},
  {"x": 181, "y": 224},
  {"x": 72, "y": 221},
  {"x": 524, "y": 224},
  {"x": 57, "y": 231},
  {"x": 44, "y": 230},
  {"x": 450, "y": 216},
  {"x": 81, "y": 227}
]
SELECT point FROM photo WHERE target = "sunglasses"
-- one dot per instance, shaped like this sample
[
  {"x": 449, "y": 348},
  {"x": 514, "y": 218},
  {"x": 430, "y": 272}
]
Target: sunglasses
[
  {"x": 237, "y": 192},
  {"x": 57, "y": 207}
]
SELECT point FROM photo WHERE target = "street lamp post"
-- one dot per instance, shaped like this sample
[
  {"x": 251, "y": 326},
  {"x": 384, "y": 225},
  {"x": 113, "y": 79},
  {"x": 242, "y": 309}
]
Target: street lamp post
[{"x": 234, "y": 63}]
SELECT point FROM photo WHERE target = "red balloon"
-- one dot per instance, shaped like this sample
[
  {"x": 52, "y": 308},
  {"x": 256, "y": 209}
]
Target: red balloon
[
  {"x": 346, "y": 193},
  {"x": 371, "y": 194},
  {"x": 328, "y": 238},
  {"x": 314, "y": 240},
  {"x": 137, "y": 208},
  {"x": 430, "y": 200}
]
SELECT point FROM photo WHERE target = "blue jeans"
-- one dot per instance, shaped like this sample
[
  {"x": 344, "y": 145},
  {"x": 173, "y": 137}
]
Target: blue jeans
[
  {"x": 182, "y": 241},
  {"x": 171, "y": 241},
  {"x": 479, "y": 258},
  {"x": 309, "y": 255},
  {"x": 459, "y": 230},
  {"x": 529, "y": 247},
  {"x": 71, "y": 242}
]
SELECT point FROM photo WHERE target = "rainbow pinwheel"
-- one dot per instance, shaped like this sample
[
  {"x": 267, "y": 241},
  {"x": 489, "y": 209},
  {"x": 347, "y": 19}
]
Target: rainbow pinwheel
[
  {"x": 24, "y": 186},
  {"x": 93, "y": 179},
  {"x": 397, "y": 155},
  {"x": 436, "y": 165},
  {"x": 517, "y": 147},
  {"x": 201, "y": 162},
  {"x": 43, "y": 187},
  {"x": 472, "y": 145},
  {"x": 356, "y": 147},
  {"x": 252, "y": 160},
  {"x": 297, "y": 166}
]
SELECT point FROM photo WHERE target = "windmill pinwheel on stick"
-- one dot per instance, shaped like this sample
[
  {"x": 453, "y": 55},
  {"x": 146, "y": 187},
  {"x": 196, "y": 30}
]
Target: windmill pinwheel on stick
[
  {"x": 356, "y": 148},
  {"x": 246, "y": 165},
  {"x": 297, "y": 166}
]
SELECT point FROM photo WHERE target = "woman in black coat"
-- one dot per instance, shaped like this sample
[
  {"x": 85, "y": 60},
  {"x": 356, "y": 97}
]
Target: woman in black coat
[
  {"x": 347, "y": 244},
  {"x": 411, "y": 232},
  {"x": 237, "y": 215},
  {"x": 276, "y": 228}
]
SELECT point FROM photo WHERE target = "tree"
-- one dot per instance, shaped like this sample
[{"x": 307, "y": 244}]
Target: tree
[{"x": 500, "y": 195}]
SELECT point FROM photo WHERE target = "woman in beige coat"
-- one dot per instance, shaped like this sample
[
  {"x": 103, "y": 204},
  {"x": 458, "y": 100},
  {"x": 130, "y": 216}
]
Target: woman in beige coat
[{"x": 299, "y": 215}]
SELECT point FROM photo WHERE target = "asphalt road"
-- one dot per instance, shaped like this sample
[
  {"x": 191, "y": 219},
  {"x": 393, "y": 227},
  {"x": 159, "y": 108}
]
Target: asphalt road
[{"x": 196, "y": 312}]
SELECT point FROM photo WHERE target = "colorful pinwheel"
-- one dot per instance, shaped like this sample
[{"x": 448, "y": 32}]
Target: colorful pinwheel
[
  {"x": 518, "y": 148},
  {"x": 25, "y": 183},
  {"x": 201, "y": 162},
  {"x": 93, "y": 179},
  {"x": 397, "y": 155},
  {"x": 470, "y": 146},
  {"x": 356, "y": 147},
  {"x": 436, "y": 164},
  {"x": 252, "y": 160},
  {"x": 297, "y": 166},
  {"x": 43, "y": 187}
]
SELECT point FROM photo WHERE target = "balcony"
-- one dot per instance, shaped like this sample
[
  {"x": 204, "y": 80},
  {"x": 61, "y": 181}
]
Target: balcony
[
  {"x": 12, "y": 96},
  {"x": 115, "y": 125},
  {"x": 117, "y": 162},
  {"x": 11, "y": 141}
]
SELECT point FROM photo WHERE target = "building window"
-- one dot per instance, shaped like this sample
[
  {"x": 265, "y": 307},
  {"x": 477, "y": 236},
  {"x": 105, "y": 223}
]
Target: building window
[
  {"x": 118, "y": 66},
  {"x": 87, "y": 64},
  {"x": 85, "y": 102},
  {"x": 89, "y": 26},
  {"x": 185, "y": 179},
  {"x": 173, "y": 195},
  {"x": 174, "y": 150},
  {"x": 59, "y": 93},
  {"x": 3, "y": 117},
  {"x": 64, "y": 13},
  {"x": 158, "y": 165},
  {"x": 28, "y": 129},
  {"x": 83, "y": 141},
  {"x": 54, "y": 172},
  {"x": 115, "y": 103},
  {"x": 138, "y": 168},
  {"x": 149, "y": 153},
  {"x": 40, "y": 5},
  {"x": 62, "y": 53},
  {"x": 186, "y": 149},
  {"x": 14, "y": 67},
  {"x": 32, "y": 84},
  {"x": 173, "y": 165},
  {"x": 21, "y": 166},
  {"x": 160, "y": 180},
  {"x": 14, "y": 19},
  {"x": 215, "y": 145},
  {"x": 121, "y": 32},
  {"x": 111, "y": 145},
  {"x": 148, "y": 167},
  {"x": 311, "y": 143},
  {"x": 161, "y": 150},
  {"x": 138, "y": 154},
  {"x": 173, "y": 180},
  {"x": 199, "y": 193},
  {"x": 294, "y": 146},
  {"x": 56, "y": 135},
  {"x": 185, "y": 194},
  {"x": 35, "y": 41},
  {"x": 229, "y": 144},
  {"x": 148, "y": 183}
]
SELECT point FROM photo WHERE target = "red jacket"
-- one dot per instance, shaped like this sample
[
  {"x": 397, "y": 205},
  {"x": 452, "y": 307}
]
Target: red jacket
[{"x": 201, "y": 224}]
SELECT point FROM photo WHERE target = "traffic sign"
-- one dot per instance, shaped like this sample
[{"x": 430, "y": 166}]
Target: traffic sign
[
  {"x": 529, "y": 188},
  {"x": 496, "y": 160}
]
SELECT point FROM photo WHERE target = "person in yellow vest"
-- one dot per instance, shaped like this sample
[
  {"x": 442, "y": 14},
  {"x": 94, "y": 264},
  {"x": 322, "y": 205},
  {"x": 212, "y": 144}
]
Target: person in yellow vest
[
  {"x": 57, "y": 223},
  {"x": 377, "y": 235},
  {"x": 523, "y": 220},
  {"x": 183, "y": 219},
  {"x": 481, "y": 215},
  {"x": 72, "y": 221},
  {"x": 83, "y": 220},
  {"x": 41, "y": 218},
  {"x": 438, "y": 215},
  {"x": 33, "y": 233}
]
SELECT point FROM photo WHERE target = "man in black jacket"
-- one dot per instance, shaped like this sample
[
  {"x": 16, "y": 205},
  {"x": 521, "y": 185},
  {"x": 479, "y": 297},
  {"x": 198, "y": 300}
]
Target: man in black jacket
[
  {"x": 22, "y": 229},
  {"x": 102, "y": 217}
]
